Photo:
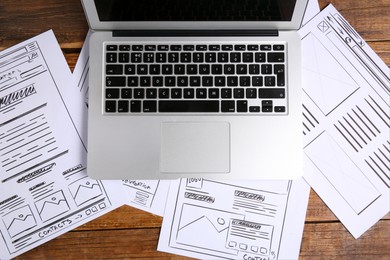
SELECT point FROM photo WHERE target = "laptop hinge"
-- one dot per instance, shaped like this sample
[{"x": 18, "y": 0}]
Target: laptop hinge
[{"x": 192, "y": 33}]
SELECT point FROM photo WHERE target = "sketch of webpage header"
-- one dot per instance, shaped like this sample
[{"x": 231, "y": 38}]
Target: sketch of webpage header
[
  {"x": 232, "y": 220},
  {"x": 16, "y": 67}
]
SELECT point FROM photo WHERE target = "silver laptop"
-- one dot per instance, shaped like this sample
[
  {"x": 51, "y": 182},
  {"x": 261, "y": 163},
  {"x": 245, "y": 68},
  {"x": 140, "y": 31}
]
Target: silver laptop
[{"x": 195, "y": 88}]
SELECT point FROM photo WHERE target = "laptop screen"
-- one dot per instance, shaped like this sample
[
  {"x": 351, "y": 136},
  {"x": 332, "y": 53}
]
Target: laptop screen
[{"x": 194, "y": 10}]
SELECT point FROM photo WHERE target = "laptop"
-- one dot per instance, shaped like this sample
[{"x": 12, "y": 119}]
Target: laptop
[{"x": 194, "y": 89}]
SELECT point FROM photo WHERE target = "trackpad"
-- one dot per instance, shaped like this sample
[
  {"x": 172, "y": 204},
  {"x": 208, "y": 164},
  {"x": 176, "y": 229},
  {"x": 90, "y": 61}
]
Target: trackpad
[{"x": 188, "y": 147}]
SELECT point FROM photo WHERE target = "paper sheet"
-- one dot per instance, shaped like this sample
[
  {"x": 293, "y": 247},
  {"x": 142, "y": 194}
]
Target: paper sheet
[
  {"x": 346, "y": 121},
  {"x": 147, "y": 195},
  {"x": 312, "y": 10},
  {"x": 45, "y": 191},
  {"x": 234, "y": 220}
]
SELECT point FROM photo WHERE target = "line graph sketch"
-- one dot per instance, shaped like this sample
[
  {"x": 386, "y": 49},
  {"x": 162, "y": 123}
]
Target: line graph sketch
[
  {"x": 19, "y": 221},
  {"x": 84, "y": 190},
  {"x": 52, "y": 206}
]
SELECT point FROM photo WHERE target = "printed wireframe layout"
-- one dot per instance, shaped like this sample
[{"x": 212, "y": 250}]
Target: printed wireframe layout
[
  {"x": 44, "y": 187},
  {"x": 346, "y": 119},
  {"x": 228, "y": 220}
]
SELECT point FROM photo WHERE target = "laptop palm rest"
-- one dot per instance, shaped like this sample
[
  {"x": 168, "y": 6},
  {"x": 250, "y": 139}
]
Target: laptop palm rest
[{"x": 195, "y": 147}]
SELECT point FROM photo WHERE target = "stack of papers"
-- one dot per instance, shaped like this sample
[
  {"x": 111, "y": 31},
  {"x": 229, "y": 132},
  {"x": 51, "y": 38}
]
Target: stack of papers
[{"x": 45, "y": 190}]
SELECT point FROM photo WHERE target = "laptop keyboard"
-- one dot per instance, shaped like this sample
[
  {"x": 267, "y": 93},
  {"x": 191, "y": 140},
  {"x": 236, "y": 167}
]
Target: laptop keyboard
[{"x": 195, "y": 78}]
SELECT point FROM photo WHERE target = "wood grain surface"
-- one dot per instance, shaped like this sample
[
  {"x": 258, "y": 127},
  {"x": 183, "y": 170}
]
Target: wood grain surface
[{"x": 131, "y": 233}]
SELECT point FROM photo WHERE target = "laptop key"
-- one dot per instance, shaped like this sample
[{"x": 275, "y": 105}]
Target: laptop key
[
  {"x": 239, "y": 93},
  {"x": 189, "y": 106},
  {"x": 123, "y": 106},
  {"x": 176, "y": 93},
  {"x": 235, "y": 57},
  {"x": 228, "y": 106},
  {"x": 112, "y": 93},
  {"x": 223, "y": 57},
  {"x": 254, "y": 109},
  {"x": 124, "y": 47},
  {"x": 279, "y": 71},
  {"x": 150, "y": 47},
  {"x": 135, "y": 106},
  {"x": 110, "y": 106},
  {"x": 248, "y": 57},
  {"x": 280, "y": 109},
  {"x": 126, "y": 93},
  {"x": 136, "y": 57},
  {"x": 275, "y": 57},
  {"x": 151, "y": 93},
  {"x": 198, "y": 57},
  {"x": 124, "y": 57},
  {"x": 227, "y": 47},
  {"x": 161, "y": 57},
  {"x": 173, "y": 57},
  {"x": 137, "y": 47},
  {"x": 214, "y": 47},
  {"x": 201, "y": 47},
  {"x": 188, "y": 47},
  {"x": 211, "y": 57},
  {"x": 226, "y": 93},
  {"x": 189, "y": 93},
  {"x": 242, "y": 106},
  {"x": 269, "y": 81},
  {"x": 139, "y": 93},
  {"x": 111, "y": 57},
  {"x": 115, "y": 81},
  {"x": 239, "y": 47},
  {"x": 150, "y": 106},
  {"x": 129, "y": 69},
  {"x": 260, "y": 56},
  {"x": 163, "y": 47},
  {"x": 111, "y": 47},
  {"x": 266, "y": 69},
  {"x": 272, "y": 93},
  {"x": 114, "y": 69},
  {"x": 251, "y": 93},
  {"x": 185, "y": 57},
  {"x": 163, "y": 93},
  {"x": 213, "y": 92},
  {"x": 265, "y": 47},
  {"x": 278, "y": 47},
  {"x": 201, "y": 93}
]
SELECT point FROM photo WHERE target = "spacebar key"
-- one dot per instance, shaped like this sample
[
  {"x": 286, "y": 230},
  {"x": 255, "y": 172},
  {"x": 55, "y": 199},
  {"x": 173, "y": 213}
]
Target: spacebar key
[{"x": 188, "y": 106}]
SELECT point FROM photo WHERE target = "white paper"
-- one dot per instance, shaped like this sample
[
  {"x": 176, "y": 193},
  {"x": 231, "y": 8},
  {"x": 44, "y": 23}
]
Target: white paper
[
  {"x": 312, "y": 9},
  {"x": 346, "y": 121},
  {"x": 234, "y": 220},
  {"x": 45, "y": 191},
  {"x": 76, "y": 96}
]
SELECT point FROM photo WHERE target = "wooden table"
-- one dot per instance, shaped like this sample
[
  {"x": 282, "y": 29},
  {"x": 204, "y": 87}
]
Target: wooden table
[{"x": 131, "y": 233}]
